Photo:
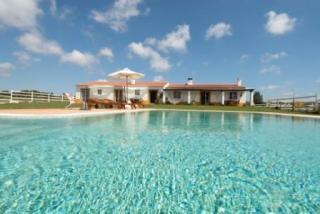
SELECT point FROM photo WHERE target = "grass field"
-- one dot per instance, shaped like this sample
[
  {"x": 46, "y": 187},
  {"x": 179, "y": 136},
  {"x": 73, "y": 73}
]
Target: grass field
[
  {"x": 224, "y": 108},
  {"x": 61, "y": 105},
  {"x": 34, "y": 105}
]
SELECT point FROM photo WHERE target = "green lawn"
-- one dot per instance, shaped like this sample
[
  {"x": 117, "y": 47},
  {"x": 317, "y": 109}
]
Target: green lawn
[
  {"x": 34, "y": 105},
  {"x": 60, "y": 105},
  {"x": 222, "y": 108}
]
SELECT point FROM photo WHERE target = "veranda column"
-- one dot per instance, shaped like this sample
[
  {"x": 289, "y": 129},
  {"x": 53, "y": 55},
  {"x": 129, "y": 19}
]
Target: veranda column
[
  {"x": 189, "y": 97},
  {"x": 251, "y": 98},
  {"x": 164, "y": 97},
  {"x": 222, "y": 97}
]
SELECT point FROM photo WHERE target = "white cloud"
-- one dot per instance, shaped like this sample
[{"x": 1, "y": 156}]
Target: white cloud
[
  {"x": 218, "y": 31},
  {"x": 271, "y": 69},
  {"x": 269, "y": 87},
  {"x": 268, "y": 57},
  {"x": 145, "y": 52},
  {"x": 159, "y": 78},
  {"x": 65, "y": 11},
  {"x": 151, "y": 41},
  {"x": 279, "y": 24},
  {"x": 53, "y": 7},
  {"x": 35, "y": 42},
  {"x": 149, "y": 49},
  {"x": 78, "y": 58},
  {"x": 21, "y": 14},
  {"x": 119, "y": 14},
  {"x": 176, "y": 40},
  {"x": 24, "y": 57},
  {"x": 6, "y": 69},
  {"x": 106, "y": 52},
  {"x": 244, "y": 57}
]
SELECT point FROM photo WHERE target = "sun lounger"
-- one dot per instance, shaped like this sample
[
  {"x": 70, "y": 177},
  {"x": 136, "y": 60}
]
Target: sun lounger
[
  {"x": 96, "y": 103},
  {"x": 137, "y": 103}
]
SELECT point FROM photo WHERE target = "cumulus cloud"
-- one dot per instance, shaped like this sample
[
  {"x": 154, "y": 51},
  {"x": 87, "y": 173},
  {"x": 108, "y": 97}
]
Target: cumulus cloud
[
  {"x": 159, "y": 78},
  {"x": 64, "y": 11},
  {"x": 244, "y": 57},
  {"x": 218, "y": 31},
  {"x": 271, "y": 69},
  {"x": 175, "y": 40},
  {"x": 279, "y": 24},
  {"x": 269, "y": 87},
  {"x": 268, "y": 57},
  {"x": 21, "y": 14},
  {"x": 106, "y": 52},
  {"x": 53, "y": 7},
  {"x": 35, "y": 42},
  {"x": 78, "y": 58},
  {"x": 24, "y": 58},
  {"x": 118, "y": 15},
  {"x": 156, "y": 61},
  {"x": 6, "y": 69}
]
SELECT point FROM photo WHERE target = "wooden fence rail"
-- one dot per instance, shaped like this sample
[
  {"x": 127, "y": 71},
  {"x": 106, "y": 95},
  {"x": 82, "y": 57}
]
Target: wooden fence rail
[
  {"x": 301, "y": 103},
  {"x": 29, "y": 96}
]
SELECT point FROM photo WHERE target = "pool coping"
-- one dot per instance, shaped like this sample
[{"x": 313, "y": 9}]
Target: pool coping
[
  {"x": 246, "y": 112},
  {"x": 101, "y": 113},
  {"x": 68, "y": 115}
]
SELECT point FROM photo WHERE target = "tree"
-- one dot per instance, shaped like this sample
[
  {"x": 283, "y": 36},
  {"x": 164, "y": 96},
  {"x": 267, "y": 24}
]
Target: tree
[{"x": 258, "y": 98}]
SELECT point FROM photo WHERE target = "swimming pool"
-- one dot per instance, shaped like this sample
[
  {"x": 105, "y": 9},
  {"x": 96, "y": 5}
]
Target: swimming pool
[{"x": 161, "y": 160}]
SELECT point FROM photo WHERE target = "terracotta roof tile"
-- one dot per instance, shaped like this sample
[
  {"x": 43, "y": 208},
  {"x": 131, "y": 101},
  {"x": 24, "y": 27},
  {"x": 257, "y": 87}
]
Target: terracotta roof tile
[
  {"x": 122, "y": 84},
  {"x": 173, "y": 86}
]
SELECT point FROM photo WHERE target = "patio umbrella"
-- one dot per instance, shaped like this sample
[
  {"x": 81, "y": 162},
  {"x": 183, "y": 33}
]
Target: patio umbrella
[{"x": 126, "y": 74}]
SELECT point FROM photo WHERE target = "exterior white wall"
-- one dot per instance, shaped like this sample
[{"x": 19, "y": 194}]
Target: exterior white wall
[
  {"x": 215, "y": 96},
  {"x": 144, "y": 93},
  {"x": 195, "y": 97},
  {"x": 107, "y": 93},
  {"x": 243, "y": 98}
]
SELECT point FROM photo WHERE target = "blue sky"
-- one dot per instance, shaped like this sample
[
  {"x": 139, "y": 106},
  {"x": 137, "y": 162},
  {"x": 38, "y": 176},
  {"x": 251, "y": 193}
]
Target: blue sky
[{"x": 52, "y": 45}]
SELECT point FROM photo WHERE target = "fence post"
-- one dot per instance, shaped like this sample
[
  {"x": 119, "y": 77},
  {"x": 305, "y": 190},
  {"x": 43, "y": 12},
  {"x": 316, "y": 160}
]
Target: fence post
[
  {"x": 11, "y": 96},
  {"x": 48, "y": 97},
  {"x": 62, "y": 97},
  {"x": 317, "y": 104},
  {"x": 31, "y": 96},
  {"x": 293, "y": 107}
]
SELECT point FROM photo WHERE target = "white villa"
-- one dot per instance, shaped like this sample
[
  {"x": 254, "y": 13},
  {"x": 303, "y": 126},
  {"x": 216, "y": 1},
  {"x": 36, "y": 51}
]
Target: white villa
[{"x": 166, "y": 92}]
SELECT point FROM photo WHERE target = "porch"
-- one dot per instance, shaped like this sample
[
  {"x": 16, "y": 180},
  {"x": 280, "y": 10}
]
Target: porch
[{"x": 208, "y": 97}]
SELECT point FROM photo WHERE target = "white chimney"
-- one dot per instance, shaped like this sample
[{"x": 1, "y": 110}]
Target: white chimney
[
  {"x": 190, "y": 81},
  {"x": 239, "y": 82},
  {"x": 133, "y": 82}
]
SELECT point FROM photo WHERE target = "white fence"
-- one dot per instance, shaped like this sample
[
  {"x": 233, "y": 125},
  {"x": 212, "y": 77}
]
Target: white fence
[
  {"x": 29, "y": 96},
  {"x": 303, "y": 103}
]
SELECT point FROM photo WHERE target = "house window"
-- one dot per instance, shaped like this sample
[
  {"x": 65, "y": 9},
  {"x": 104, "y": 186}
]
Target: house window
[
  {"x": 137, "y": 92},
  {"x": 233, "y": 95},
  {"x": 177, "y": 94},
  {"x": 99, "y": 91}
]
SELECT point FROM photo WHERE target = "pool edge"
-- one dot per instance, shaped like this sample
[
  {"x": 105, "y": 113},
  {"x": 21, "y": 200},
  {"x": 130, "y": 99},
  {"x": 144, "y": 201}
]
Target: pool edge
[{"x": 94, "y": 114}]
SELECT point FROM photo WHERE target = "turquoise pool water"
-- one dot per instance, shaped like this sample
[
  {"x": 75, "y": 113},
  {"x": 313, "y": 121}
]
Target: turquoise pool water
[{"x": 174, "y": 162}]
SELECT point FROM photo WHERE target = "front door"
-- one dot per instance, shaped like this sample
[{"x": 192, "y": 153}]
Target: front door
[
  {"x": 153, "y": 96},
  {"x": 118, "y": 94},
  {"x": 205, "y": 97}
]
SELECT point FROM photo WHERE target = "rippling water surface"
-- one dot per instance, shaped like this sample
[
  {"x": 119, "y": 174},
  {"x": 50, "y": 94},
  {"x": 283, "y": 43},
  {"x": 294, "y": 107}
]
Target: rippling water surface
[{"x": 161, "y": 161}]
